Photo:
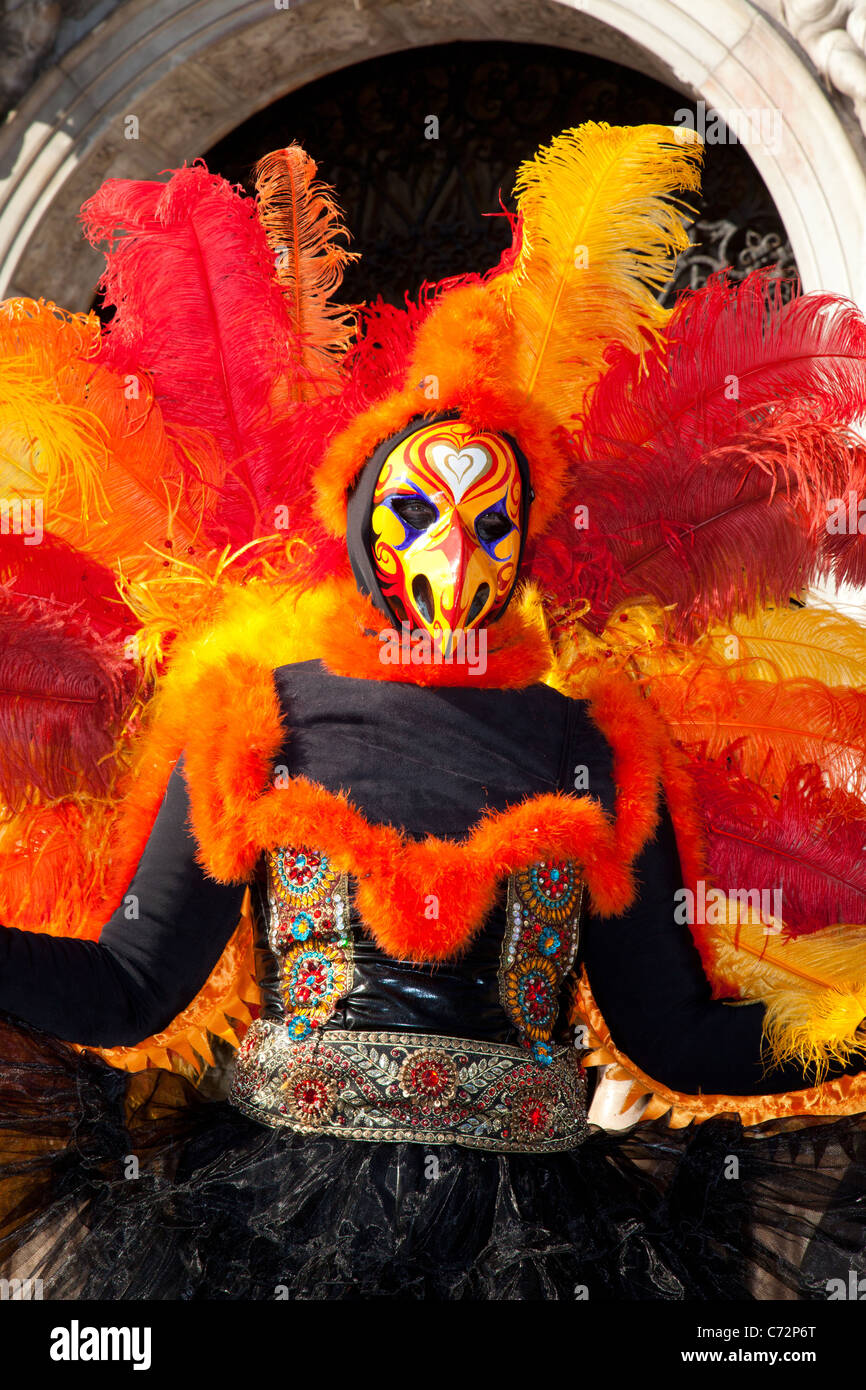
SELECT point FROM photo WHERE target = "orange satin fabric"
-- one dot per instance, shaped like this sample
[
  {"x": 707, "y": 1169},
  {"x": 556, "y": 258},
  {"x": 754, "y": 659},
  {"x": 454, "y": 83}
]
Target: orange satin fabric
[{"x": 844, "y": 1096}]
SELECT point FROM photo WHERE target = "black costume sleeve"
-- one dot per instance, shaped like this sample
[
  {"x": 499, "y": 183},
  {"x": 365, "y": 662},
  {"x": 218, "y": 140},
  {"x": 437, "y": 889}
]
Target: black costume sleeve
[
  {"x": 152, "y": 957},
  {"x": 646, "y": 975}
]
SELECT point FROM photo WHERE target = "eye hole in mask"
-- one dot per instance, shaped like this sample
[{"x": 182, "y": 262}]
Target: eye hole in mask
[
  {"x": 417, "y": 514},
  {"x": 493, "y": 526}
]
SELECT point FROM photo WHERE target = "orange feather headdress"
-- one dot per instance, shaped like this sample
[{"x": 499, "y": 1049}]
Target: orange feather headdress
[{"x": 518, "y": 349}]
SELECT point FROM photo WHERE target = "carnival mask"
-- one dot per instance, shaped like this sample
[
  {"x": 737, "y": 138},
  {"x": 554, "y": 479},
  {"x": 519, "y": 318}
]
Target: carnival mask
[{"x": 445, "y": 528}]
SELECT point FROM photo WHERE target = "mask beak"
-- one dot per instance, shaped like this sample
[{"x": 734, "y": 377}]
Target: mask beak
[{"x": 451, "y": 591}]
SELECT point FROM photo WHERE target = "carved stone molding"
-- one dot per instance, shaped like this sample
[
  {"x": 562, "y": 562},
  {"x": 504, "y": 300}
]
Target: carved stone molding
[{"x": 833, "y": 33}]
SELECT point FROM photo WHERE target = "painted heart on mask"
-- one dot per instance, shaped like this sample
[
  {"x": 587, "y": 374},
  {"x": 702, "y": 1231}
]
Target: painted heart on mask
[{"x": 461, "y": 470}]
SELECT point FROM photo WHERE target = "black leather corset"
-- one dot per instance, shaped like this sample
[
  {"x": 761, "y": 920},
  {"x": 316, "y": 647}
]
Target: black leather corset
[{"x": 320, "y": 969}]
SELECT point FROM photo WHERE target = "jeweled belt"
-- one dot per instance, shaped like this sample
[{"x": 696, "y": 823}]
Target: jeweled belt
[{"x": 411, "y": 1086}]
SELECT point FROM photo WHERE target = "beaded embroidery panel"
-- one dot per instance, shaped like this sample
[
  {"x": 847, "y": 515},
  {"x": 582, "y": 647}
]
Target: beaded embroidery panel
[
  {"x": 406, "y": 1086},
  {"x": 544, "y": 906},
  {"x": 309, "y": 934}
]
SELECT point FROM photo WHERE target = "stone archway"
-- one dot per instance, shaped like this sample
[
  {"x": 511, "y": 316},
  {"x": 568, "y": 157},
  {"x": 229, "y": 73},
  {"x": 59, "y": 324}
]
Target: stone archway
[{"x": 188, "y": 77}]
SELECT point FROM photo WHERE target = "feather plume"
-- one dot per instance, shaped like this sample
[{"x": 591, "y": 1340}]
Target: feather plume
[
  {"x": 708, "y": 541},
  {"x": 600, "y": 233},
  {"x": 303, "y": 224},
  {"x": 767, "y": 729},
  {"x": 842, "y": 530},
  {"x": 777, "y": 644},
  {"x": 804, "y": 842},
  {"x": 53, "y": 861},
  {"x": 731, "y": 355},
  {"x": 814, "y": 988},
  {"x": 47, "y": 333},
  {"x": 191, "y": 277},
  {"x": 91, "y": 447},
  {"x": 48, "y": 434},
  {"x": 76, "y": 588},
  {"x": 161, "y": 489},
  {"x": 63, "y": 697},
  {"x": 707, "y": 467},
  {"x": 771, "y": 644}
]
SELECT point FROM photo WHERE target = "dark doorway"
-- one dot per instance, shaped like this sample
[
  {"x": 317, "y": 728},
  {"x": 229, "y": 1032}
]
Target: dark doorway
[{"x": 416, "y": 206}]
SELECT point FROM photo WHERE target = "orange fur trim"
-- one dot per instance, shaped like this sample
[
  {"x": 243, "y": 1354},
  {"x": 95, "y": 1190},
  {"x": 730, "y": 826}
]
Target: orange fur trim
[
  {"x": 846, "y": 1095},
  {"x": 636, "y": 735},
  {"x": 517, "y": 654},
  {"x": 421, "y": 901},
  {"x": 467, "y": 345},
  {"x": 690, "y": 830}
]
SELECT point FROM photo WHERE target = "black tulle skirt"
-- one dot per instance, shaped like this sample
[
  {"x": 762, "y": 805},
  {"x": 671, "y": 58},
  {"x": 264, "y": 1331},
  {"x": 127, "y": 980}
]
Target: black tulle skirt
[{"x": 136, "y": 1187}]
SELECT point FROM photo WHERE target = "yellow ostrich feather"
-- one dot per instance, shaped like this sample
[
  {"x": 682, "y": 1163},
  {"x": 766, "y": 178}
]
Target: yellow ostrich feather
[
  {"x": 772, "y": 645},
  {"x": 114, "y": 480},
  {"x": 50, "y": 438},
  {"x": 601, "y": 233},
  {"x": 814, "y": 987},
  {"x": 775, "y": 644}
]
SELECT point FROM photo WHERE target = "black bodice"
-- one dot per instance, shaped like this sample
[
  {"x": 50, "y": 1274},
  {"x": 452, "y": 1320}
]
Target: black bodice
[
  {"x": 431, "y": 761},
  {"x": 451, "y": 754},
  {"x": 456, "y": 999}
]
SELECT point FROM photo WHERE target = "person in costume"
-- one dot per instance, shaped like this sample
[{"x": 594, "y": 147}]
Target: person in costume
[{"x": 258, "y": 779}]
